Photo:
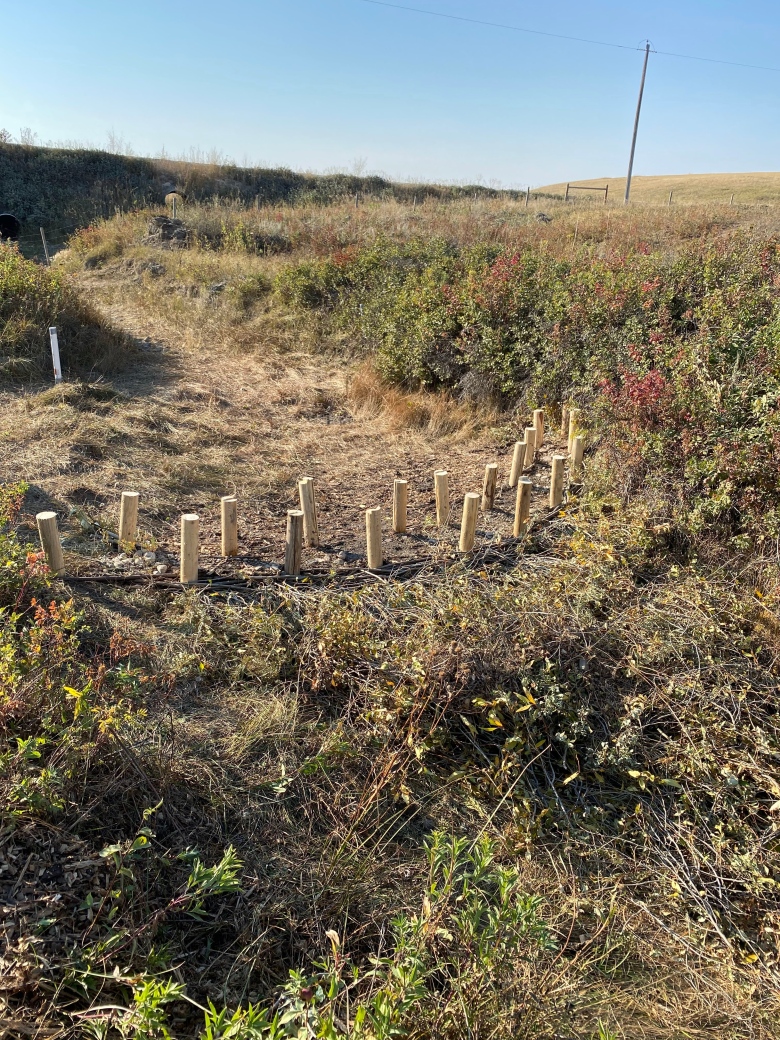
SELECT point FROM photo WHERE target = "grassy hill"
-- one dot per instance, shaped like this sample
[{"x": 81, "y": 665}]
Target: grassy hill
[
  {"x": 63, "y": 189},
  {"x": 747, "y": 188}
]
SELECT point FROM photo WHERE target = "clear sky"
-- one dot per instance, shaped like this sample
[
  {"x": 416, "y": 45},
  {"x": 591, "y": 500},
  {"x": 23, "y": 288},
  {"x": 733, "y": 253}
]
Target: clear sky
[{"x": 320, "y": 84}]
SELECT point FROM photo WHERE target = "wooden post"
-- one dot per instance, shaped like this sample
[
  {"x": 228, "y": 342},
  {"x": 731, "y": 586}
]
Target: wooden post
[
  {"x": 577, "y": 452},
  {"x": 55, "y": 353},
  {"x": 574, "y": 415},
  {"x": 566, "y": 196},
  {"x": 441, "y": 482},
  {"x": 556, "y": 482},
  {"x": 188, "y": 564},
  {"x": 311, "y": 530},
  {"x": 229, "y": 517},
  {"x": 128, "y": 518},
  {"x": 468, "y": 526},
  {"x": 518, "y": 462},
  {"x": 530, "y": 446},
  {"x": 50, "y": 541},
  {"x": 539, "y": 427},
  {"x": 45, "y": 248},
  {"x": 522, "y": 506},
  {"x": 670, "y": 198},
  {"x": 374, "y": 538},
  {"x": 292, "y": 551},
  {"x": 400, "y": 502},
  {"x": 489, "y": 487},
  {"x": 527, "y": 196},
  {"x": 732, "y": 199},
  {"x": 564, "y": 420}
]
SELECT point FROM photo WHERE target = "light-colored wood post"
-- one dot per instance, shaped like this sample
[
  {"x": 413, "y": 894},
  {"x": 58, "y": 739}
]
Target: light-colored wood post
[
  {"x": 311, "y": 530},
  {"x": 574, "y": 418},
  {"x": 374, "y": 538},
  {"x": 539, "y": 427},
  {"x": 229, "y": 517},
  {"x": 188, "y": 563},
  {"x": 522, "y": 506},
  {"x": 518, "y": 462},
  {"x": 556, "y": 481},
  {"x": 400, "y": 503},
  {"x": 468, "y": 525},
  {"x": 530, "y": 446},
  {"x": 489, "y": 487},
  {"x": 128, "y": 518},
  {"x": 441, "y": 482},
  {"x": 564, "y": 420},
  {"x": 50, "y": 541},
  {"x": 577, "y": 452},
  {"x": 292, "y": 550}
]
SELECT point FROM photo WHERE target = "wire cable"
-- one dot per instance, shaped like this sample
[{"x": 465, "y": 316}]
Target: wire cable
[{"x": 560, "y": 36}]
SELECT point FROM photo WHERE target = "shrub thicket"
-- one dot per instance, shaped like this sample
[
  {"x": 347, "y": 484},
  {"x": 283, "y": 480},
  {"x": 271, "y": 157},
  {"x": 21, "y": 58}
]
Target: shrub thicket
[{"x": 678, "y": 354}]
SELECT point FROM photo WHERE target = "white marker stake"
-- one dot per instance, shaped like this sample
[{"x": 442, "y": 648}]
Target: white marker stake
[{"x": 55, "y": 354}]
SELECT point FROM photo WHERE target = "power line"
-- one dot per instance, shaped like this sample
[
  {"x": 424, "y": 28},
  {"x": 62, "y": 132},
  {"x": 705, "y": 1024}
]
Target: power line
[{"x": 560, "y": 36}]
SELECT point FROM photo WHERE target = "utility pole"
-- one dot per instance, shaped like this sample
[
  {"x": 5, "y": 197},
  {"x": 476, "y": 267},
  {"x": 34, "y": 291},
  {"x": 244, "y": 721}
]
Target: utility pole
[{"x": 636, "y": 123}]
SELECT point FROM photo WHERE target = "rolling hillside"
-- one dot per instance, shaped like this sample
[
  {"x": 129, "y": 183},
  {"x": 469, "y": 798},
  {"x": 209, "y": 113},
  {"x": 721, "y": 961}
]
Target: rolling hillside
[{"x": 747, "y": 188}]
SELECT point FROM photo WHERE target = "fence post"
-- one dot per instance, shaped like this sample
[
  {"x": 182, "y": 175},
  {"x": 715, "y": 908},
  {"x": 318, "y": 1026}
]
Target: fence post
[
  {"x": 229, "y": 519},
  {"x": 188, "y": 564},
  {"x": 522, "y": 506},
  {"x": 50, "y": 541},
  {"x": 311, "y": 530},
  {"x": 441, "y": 481},
  {"x": 577, "y": 452},
  {"x": 574, "y": 415},
  {"x": 489, "y": 487},
  {"x": 539, "y": 427},
  {"x": 468, "y": 525},
  {"x": 556, "y": 481},
  {"x": 374, "y": 538},
  {"x": 128, "y": 518},
  {"x": 292, "y": 551},
  {"x": 518, "y": 462},
  {"x": 45, "y": 248},
  {"x": 400, "y": 504},
  {"x": 530, "y": 446}
]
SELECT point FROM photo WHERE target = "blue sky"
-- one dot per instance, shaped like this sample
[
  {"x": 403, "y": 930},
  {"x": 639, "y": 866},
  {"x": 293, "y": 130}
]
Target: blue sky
[{"x": 319, "y": 84}]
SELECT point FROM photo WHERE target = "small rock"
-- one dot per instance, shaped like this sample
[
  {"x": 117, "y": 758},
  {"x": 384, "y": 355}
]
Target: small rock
[
  {"x": 150, "y": 557},
  {"x": 342, "y": 555},
  {"x": 161, "y": 568}
]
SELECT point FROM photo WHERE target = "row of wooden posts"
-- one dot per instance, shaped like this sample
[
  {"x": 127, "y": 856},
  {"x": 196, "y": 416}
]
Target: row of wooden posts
[{"x": 303, "y": 527}]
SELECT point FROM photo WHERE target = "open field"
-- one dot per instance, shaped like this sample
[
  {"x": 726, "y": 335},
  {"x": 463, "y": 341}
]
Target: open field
[
  {"x": 525, "y": 792},
  {"x": 748, "y": 189}
]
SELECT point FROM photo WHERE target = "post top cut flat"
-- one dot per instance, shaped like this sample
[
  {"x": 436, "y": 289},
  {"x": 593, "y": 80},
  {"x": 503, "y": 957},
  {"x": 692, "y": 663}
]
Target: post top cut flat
[{"x": 47, "y": 515}]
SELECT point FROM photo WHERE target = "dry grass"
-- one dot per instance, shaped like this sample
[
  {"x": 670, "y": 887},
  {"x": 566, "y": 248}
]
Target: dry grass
[{"x": 701, "y": 189}]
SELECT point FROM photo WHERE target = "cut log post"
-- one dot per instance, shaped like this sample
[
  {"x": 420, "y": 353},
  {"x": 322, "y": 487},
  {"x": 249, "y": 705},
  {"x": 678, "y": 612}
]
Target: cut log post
[
  {"x": 468, "y": 525},
  {"x": 128, "y": 518},
  {"x": 564, "y": 420},
  {"x": 539, "y": 427},
  {"x": 577, "y": 452},
  {"x": 188, "y": 563},
  {"x": 400, "y": 504},
  {"x": 374, "y": 538},
  {"x": 441, "y": 482},
  {"x": 50, "y": 542},
  {"x": 229, "y": 518},
  {"x": 530, "y": 446},
  {"x": 522, "y": 506},
  {"x": 311, "y": 529},
  {"x": 556, "y": 481},
  {"x": 294, "y": 541},
  {"x": 489, "y": 487},
  {"x": 518, "y": 462},
  {"x": 574, "y": 424}
]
